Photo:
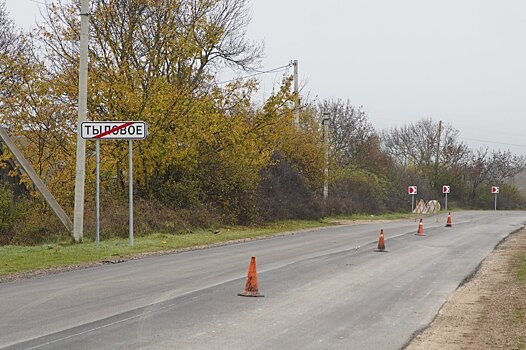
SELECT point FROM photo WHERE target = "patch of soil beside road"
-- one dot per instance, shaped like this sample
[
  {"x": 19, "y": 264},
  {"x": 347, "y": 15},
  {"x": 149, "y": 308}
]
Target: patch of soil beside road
[{"x": 488, "y": 311}]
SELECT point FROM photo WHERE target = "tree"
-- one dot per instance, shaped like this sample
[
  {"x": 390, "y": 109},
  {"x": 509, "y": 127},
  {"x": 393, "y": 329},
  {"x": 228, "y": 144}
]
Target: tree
[
  {"x": 291, "y": 182},
  {"x": 350, "y": 131},
  {"x": 30, "y": 107},
  {"x": 489, "y": 168},
  {"x": 416, "y": 146},
  {"x": 12, "y": 46},
  {"x": 138, "y": 41},
  {"x": 156, "y": 61},
  {"x": 358, "y": 166}
]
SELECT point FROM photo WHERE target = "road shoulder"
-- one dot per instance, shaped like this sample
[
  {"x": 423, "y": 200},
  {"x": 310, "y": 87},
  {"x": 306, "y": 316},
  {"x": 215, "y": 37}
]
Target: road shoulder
[{"x": 488, "y": 311}]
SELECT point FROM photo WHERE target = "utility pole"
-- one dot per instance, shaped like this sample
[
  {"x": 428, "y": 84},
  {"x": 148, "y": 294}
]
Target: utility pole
[
  {"x": 26, "y": 166},
  {"x": 438, "y": 151},
  {"x": 80, "y": 172},
  {"x": 296, "y": 95},
  {"x": 325, "y": 124}
]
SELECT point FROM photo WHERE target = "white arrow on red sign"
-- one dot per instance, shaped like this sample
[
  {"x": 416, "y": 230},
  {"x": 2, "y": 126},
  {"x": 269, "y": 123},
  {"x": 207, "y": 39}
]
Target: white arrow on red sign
[
  {"x": 412, "y": 190},
  {"x": 446, "y": 189},
  {"x": 495, "y": 189}
]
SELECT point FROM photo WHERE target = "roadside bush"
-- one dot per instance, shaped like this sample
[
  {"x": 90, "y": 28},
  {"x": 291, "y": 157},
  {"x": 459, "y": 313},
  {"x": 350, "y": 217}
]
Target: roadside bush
[
  {"x": 150, "y": 216},
  {"x": 7, "y": 214},
  {"x": 35, "y": 223},
  {"x": 510, "y": 198},
  {"x": 356, "y": 190},
  {"x": 284, "y": 195}
]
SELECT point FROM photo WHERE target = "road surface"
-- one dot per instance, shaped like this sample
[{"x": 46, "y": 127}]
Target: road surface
[{"x": 324, "y": 289}]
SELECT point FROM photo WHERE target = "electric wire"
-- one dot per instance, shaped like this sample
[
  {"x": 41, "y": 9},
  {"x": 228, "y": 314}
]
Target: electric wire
[
  {"x": 39, "y": 2},
  {"x": 495, "y": 142},
  {"x": 258, "y": 72}
]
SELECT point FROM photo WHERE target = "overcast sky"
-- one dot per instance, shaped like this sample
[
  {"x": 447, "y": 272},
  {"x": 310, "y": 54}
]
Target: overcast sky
[{"x": 462, "y": 62}]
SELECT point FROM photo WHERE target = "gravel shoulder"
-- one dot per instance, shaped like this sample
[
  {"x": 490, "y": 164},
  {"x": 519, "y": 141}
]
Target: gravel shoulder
[{"x": 486, "y": 312}]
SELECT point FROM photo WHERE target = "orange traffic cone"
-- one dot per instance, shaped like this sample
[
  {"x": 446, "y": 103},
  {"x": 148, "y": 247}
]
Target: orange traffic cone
[
  {"x": 381, "y": 242},
  {"x": 420, "y": 231},
  {"x": 251, "y": 286},
  {"x": 448, "y": 224}
]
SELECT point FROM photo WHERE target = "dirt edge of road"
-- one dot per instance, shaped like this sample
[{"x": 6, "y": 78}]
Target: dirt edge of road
[{"x": 488, "y": 309}]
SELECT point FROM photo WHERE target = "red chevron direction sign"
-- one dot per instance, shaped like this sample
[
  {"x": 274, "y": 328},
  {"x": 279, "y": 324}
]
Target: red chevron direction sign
[
  {"x": 412, "y": 190},
  {"x": 495, "y": 189},
  {"x": 446, "y": 189},
  {"x": 120, "y": 130}
]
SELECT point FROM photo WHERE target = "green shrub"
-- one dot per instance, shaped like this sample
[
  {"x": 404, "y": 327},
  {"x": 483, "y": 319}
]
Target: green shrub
[
  {"x": 35, "y": 223},
  {"x": 150, "y": 216},
  {"x": 7, "y": 214}
]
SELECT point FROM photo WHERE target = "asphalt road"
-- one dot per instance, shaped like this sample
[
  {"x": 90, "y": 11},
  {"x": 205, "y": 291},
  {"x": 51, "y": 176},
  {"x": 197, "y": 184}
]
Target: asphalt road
[{"x": 324, "y": 289}]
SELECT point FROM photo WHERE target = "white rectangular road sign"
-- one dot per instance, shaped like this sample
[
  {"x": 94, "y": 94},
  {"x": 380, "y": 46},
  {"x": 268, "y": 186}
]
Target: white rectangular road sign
[
  {"x": 412, "y": 190},
  {"x": 120, "y": 130},
  {"x": 446, "y": 189},
  {"x": 494, "y": 189}
]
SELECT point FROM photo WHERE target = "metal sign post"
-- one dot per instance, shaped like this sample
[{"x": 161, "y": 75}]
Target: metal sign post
[
  {"x": 495, "y": 190},
  {"x": 97, "y": 191},
  {"x": 412, "y": 190},
  {"x": 445, "y": 190},
  {"x": 130, "y": 170},
  {"x": 121, "y": 130}
]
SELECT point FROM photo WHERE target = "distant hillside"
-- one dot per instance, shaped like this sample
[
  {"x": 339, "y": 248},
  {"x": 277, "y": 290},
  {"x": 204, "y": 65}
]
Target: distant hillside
[{"x": 520, "y": 181}]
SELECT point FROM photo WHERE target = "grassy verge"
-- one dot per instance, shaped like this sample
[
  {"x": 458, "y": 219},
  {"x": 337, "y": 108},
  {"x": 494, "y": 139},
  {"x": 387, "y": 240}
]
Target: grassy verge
[
  {"x": 367, "y": 217},
  {"x": 521, "y": 268},
  {"x": 19, "y": 259},
  {"x": 518, "y": 315}
]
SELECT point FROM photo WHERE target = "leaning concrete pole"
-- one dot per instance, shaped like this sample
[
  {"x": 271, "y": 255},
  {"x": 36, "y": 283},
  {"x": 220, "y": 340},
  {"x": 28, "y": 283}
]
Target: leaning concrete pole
[
  {"x": 26, "y": 166},
  {"x": 80, "y": 174}
]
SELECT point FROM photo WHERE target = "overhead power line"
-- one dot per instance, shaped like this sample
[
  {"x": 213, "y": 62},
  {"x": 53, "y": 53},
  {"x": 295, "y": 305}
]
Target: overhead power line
[
  {"x": 258, "y": 72},
  {"x": 38, "y": 2},
  {"x": 495, "y": 142}
]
